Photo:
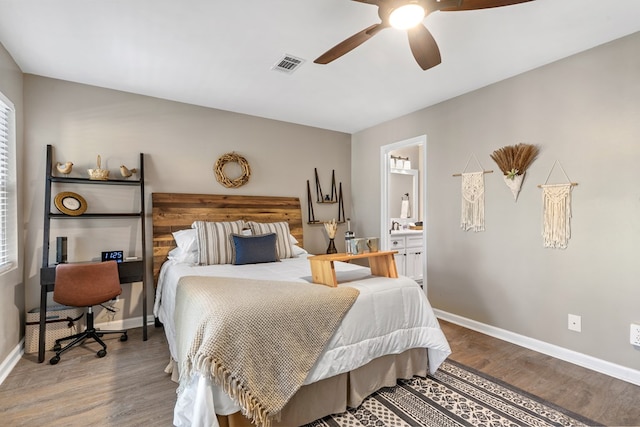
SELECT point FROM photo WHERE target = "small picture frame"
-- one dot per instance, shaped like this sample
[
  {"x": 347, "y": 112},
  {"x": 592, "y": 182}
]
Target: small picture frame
[{"x": 70, "y": 203}]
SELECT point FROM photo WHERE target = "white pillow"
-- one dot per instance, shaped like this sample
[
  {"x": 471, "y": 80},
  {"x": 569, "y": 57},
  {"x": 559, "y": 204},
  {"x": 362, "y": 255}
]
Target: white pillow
[
  {"x": 293, "y": 240},
  {"x": 187, "y": 240},
  {"x": 178, "y": 255},
  {"x": 214, "y": 241},
  {"x": 297, "y": 250}
]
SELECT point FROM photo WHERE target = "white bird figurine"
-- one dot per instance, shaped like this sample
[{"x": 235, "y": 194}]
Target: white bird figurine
[
  {"x": 126, "y": 172},
  {"x": 64, "y": 168}
]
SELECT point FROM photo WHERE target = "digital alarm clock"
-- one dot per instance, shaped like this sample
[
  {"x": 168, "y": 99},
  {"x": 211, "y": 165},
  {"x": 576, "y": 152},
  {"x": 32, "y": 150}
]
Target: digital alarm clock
[{"x": 117, "y": 256}]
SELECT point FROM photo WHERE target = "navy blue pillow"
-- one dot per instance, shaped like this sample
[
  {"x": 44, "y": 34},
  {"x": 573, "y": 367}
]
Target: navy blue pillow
[{"x": 254, "y": 249}]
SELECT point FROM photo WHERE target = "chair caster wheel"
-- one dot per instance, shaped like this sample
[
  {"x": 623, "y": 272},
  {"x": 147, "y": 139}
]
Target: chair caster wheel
[
  {"x": 100, "y": 335},
  {"x": 124, "y": 337},
  {"x": 54, "y": 360},
  {"x": 57, "y": 347},
  {"x": 102, "y": 353}
]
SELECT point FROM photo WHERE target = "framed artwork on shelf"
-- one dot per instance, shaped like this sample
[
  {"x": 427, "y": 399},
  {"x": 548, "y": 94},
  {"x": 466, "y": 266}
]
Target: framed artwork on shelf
[{"x": 70, "y": 203}]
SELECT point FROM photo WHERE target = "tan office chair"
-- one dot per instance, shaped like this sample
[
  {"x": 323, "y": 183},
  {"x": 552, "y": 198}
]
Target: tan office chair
[{"x": 86, "y": 285}]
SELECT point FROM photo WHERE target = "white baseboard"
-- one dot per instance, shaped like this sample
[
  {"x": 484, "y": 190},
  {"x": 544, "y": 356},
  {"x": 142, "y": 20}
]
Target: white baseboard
[
  {"x": 617, "y": 371},
  {"x": 130, "y": 323},
  {"x": 11, "y": 361},
  {"x": 613, "y": 370}
]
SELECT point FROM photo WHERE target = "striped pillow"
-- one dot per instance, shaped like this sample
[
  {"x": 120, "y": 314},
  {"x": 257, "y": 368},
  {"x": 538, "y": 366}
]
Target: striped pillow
[
  {"x": 283, "y": 244},
  {"x": 214, "y": 241}
]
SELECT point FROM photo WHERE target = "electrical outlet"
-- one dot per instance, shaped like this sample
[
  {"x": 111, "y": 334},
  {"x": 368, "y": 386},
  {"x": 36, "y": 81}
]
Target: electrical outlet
[
  {"x": 634, "y": 337},
  {"x": 574, "y": 323}
]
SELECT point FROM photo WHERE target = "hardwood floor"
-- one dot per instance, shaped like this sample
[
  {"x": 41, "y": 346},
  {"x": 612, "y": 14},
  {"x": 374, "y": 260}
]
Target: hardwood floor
[
  {"x": 599, "y": 397},
  {"x": 125, "y": 388},
  {"x": 129, "y": 388}
]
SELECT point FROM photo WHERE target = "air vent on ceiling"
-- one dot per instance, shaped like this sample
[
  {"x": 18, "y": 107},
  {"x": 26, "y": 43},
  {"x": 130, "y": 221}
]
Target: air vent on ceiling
[{"x": 288, "y": 64}]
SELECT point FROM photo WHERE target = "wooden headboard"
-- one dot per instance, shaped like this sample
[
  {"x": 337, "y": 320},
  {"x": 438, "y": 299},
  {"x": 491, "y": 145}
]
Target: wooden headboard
[{"x": 177, "y": 211}]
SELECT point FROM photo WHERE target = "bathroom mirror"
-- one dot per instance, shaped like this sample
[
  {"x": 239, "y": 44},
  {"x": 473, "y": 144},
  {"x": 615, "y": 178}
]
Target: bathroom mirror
[{"x": 403, "y": 194}]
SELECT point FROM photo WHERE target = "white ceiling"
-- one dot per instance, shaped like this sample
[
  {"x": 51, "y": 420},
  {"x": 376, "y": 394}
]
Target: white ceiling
[{"x": 219, "y": 54}]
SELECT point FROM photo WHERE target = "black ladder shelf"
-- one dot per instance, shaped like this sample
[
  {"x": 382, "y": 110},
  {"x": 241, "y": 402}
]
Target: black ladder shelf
[{"x": 134, "y": 271}]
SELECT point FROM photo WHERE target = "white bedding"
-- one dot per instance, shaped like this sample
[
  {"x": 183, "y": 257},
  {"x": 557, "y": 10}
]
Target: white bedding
[{"x": 389, "y": 317}]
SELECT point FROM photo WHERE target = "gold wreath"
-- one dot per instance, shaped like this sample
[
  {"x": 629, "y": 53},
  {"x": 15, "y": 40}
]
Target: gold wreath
[{"x": 223, "y": 179}]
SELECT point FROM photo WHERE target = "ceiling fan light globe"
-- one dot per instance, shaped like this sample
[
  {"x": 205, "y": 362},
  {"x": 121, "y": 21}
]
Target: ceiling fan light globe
[{"x": 407, "y": 16}]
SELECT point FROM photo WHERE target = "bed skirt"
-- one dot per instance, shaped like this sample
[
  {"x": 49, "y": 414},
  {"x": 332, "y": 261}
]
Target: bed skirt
[{"x": 333, "y": 395}]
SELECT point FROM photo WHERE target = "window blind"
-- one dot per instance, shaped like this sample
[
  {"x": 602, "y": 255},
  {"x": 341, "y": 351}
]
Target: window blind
[{"x": 7, "y": 198}]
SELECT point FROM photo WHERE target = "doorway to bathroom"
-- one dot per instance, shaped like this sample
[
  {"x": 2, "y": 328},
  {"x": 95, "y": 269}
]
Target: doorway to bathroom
[{"x": 403, "y": 205}]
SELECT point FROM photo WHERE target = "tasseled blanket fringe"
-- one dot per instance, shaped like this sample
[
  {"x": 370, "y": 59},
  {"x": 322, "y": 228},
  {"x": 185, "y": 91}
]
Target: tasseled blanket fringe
[{"x": 250, "y": 407}]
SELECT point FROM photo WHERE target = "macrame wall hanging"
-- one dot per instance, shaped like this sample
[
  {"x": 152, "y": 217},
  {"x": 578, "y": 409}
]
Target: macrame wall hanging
[
  {"x": 513, "y": 161},
  {"x": 472, "y": 215},
  {"x": 556, "y": 211}
]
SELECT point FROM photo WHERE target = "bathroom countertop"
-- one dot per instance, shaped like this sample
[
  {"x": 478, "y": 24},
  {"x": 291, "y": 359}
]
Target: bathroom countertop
[{"x": 405, "y": 232}]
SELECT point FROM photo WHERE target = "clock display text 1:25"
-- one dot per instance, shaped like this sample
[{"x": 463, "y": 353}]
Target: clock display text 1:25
[{"x": 117, "y": 256}]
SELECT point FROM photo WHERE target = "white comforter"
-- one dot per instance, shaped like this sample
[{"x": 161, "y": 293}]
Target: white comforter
[{"x": 390, "y": 316}]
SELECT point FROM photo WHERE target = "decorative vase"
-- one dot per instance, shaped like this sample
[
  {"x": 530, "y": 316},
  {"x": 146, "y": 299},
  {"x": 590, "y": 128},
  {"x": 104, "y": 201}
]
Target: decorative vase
[
  {"x": 514, "y": 184},
  {"x": 332, "y": 247}
]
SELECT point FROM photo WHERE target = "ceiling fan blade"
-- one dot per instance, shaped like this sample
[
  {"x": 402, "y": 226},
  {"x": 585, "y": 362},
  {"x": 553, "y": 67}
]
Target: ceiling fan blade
[
  {"x": 424, "y": 47},
  {"x": 480, "y": 4},
  {"x": 376, "y": 2},
  {"x": 349, "y": 44}
]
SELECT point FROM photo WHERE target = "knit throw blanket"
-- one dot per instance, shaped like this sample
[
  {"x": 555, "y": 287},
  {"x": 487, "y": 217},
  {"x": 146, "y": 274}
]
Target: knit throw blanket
[{"x": 257, "y": 339}]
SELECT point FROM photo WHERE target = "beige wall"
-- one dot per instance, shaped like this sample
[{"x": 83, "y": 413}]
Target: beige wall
[
  {"x": 583, "y": 111},
  {"x": 11, "y": 285},
  {"x": 181, "y": 144}
]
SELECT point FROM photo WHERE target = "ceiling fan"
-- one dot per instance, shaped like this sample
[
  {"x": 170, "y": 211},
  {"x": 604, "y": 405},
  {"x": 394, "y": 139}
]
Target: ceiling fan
[{"x": 408, "y": 15}]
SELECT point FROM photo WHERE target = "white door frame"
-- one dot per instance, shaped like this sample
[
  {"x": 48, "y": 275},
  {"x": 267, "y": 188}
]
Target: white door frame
[{"x": 385, "y": 170}]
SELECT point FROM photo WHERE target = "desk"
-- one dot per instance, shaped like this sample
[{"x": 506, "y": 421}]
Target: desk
[
  {"x": 323, "y": 272},
  {"x": 129, "y": 272}
]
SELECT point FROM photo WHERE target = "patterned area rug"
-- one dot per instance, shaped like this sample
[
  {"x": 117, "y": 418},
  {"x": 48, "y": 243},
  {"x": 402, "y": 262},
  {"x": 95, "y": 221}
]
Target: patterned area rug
[{"x": 455, "y": 396}]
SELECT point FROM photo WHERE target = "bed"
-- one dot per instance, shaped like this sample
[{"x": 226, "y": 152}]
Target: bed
[{"x": 388, "y": 331}]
